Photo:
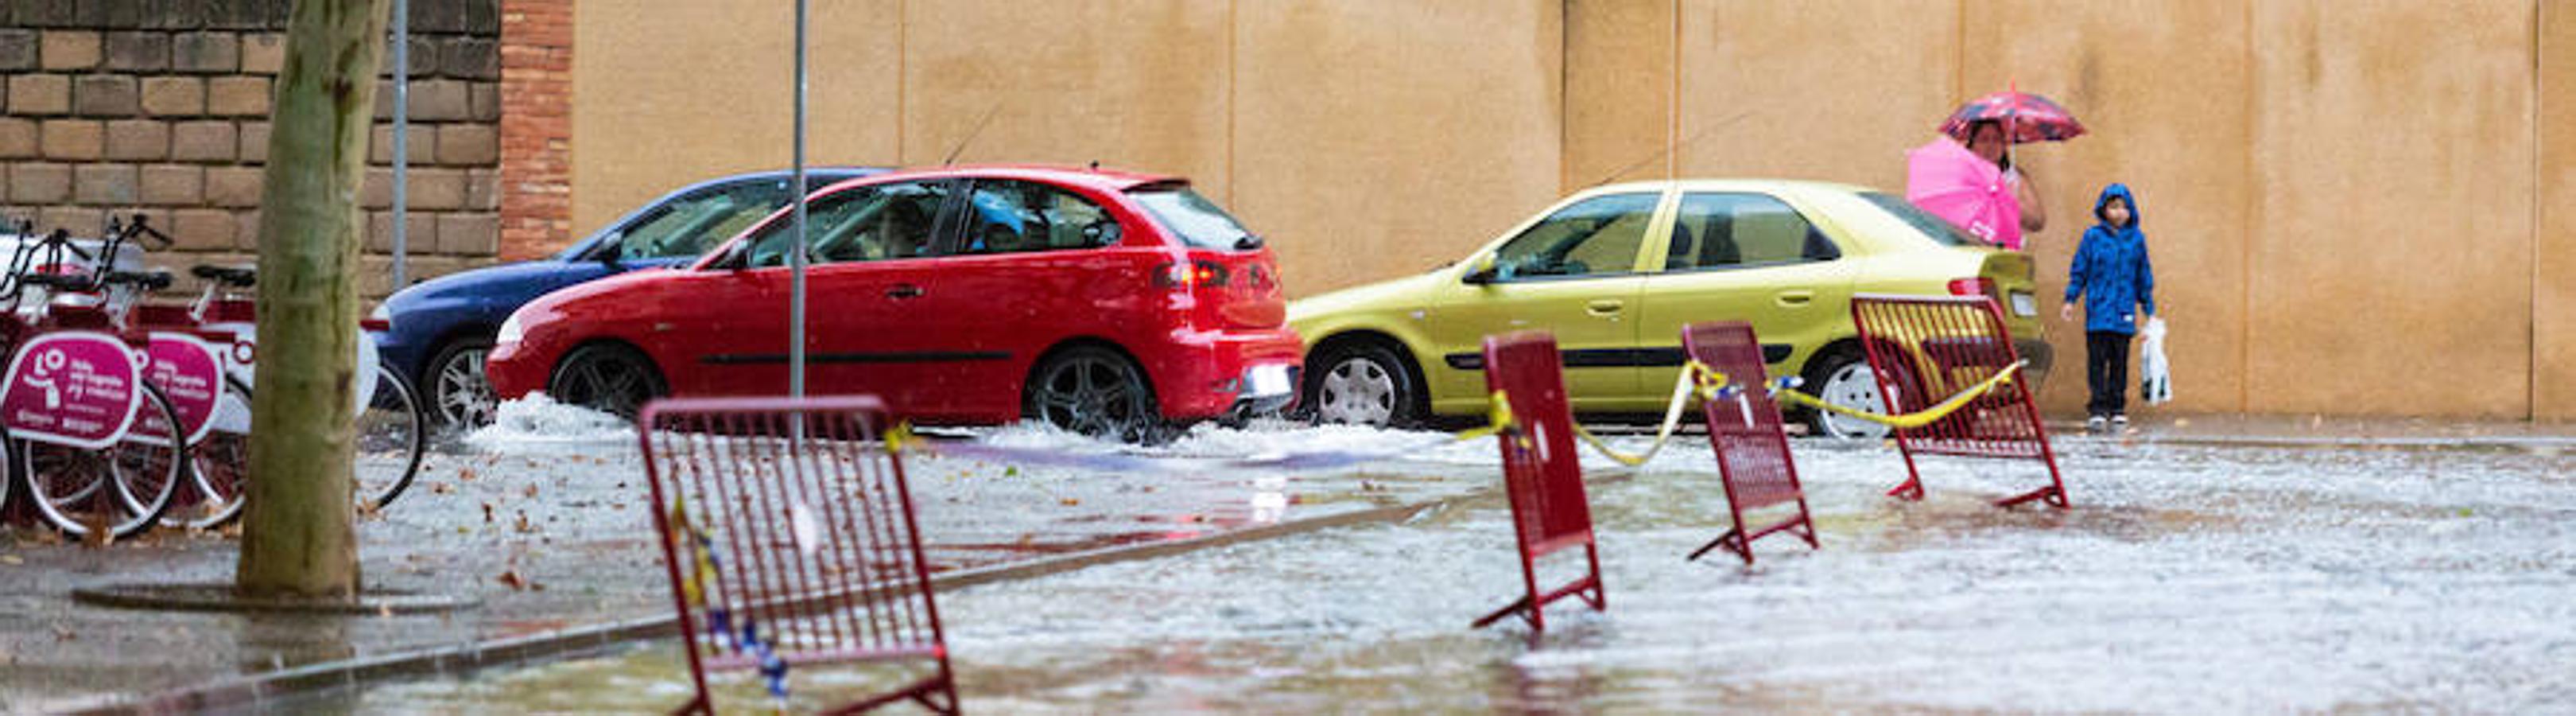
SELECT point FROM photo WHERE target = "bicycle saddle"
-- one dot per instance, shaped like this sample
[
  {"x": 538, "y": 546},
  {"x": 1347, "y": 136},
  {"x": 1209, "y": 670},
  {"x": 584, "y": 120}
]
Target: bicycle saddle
[{"x": 230, "y": 275}]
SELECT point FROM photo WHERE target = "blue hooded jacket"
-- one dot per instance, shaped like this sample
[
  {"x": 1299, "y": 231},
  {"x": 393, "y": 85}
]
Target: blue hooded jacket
[{"x": 2111, "y": 271}]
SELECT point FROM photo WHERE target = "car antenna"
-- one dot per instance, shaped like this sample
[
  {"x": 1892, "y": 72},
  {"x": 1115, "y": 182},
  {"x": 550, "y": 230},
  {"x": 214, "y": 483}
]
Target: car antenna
[
  {"x": 1670, "y": 148},
  {"x": 970, "y": 135}
]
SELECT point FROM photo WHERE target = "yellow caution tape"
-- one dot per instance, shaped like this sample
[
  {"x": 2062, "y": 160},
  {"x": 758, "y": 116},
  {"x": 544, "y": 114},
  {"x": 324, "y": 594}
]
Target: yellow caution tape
[
  {"x": 703, "y": 565},
  {"x": 1498, "y": 419},
  {"x": 1916, "y": 419}
]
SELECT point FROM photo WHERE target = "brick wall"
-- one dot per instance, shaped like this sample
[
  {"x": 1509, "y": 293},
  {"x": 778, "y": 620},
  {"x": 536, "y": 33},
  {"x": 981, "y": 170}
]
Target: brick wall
[
  {"x": 536, "y": 127},
  {"x": 162, "y": 108}
]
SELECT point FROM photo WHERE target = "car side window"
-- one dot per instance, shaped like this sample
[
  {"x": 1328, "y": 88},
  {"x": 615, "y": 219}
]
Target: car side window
[
  {"x": 1015, "y": 216},
  {"x": 689, "y": 225},
  {"x": 1596, "y": 236},
  {"x": 1723, "y": 230},
  {"x": 890, "y": 221}
]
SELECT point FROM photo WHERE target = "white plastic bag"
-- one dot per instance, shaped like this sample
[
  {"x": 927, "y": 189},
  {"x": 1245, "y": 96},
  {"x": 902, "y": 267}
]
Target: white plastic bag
[{"x": 2155, "y": 374}]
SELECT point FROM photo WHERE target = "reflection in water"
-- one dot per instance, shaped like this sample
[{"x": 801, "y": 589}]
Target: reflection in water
[{"x": 267, "y": 642}]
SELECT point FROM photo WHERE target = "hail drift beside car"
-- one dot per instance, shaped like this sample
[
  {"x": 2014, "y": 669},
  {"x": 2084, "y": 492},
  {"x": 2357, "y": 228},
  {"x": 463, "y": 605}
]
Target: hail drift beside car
[{"x": 1109, "y": 303}]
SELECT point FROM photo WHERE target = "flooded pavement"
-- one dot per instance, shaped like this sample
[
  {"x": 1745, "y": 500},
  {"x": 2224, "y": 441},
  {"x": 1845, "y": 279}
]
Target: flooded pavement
[{"x": 2184, "y": 579}]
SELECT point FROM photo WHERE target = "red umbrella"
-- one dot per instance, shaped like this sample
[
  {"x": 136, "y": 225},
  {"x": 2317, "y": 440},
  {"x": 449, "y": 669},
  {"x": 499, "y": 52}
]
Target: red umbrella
[{"x": 2026, "y": 117}]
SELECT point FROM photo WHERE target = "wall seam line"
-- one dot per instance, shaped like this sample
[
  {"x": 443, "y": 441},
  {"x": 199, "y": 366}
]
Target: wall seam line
[
  {"x": 1673, "y": 101},
  {"x": 2253, "y": 223},
  {"x": 902, "y": 76},
  {"x": 2539, "y": 78},
  {"x": 1233, "y": 79}
]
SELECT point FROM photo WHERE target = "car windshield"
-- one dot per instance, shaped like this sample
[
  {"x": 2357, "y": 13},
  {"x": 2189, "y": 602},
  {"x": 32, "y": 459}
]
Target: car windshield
[
  {"x": 1196, "y": 220},
  {"x": 1932, "y": 227}
]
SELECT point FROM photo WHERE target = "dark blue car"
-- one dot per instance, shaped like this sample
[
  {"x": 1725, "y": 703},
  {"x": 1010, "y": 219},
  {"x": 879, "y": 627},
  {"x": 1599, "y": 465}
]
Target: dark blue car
[{"x": 440, "y": 329}]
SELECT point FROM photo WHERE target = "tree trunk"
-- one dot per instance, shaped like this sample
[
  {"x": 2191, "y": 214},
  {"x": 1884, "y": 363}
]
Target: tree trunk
[{"x": 299, "y": 533}]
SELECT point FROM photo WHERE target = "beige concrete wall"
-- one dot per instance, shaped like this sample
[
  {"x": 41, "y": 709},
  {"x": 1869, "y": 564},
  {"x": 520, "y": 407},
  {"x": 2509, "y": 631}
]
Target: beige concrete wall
[
  {"x": 2554, "y": 247},
  {"x": 2393, "y": 247},
  {"x": 1141, "y": 85},
  {"x": 682, "y": 91},
  {"x": 1376, "y": 139},
  {"x": 2142, "y": 78},
  {"x": 2351, "y": 212}
]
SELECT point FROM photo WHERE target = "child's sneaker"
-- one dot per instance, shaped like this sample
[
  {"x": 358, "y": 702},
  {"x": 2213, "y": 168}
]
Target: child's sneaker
[
  {"x": 2120, "y": 421},
  {"x": 2094, "y": 424}
]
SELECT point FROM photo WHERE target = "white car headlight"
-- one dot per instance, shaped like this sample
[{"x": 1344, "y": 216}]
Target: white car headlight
[{"x": 511, "y": 330}]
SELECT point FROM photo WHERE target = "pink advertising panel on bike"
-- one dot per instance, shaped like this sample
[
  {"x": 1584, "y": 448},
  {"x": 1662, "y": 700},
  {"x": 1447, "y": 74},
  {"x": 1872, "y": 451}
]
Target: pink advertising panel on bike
[
  {"x": 75, "y": 388},
  {"x": 189, "y": 371}
]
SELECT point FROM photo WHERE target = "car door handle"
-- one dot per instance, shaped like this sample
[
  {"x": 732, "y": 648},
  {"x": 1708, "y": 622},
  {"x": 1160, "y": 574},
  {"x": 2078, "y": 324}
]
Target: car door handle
[
  {"x": 903, "y": 291},
  {"x": 1796, "y": 298},
  {"x": 1605, "y": 306}
]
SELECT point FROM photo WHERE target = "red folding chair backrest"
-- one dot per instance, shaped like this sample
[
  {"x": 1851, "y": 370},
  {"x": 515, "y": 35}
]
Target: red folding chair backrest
[
  {"x": 1541, "y": 469},
  {"x": 789, "y": 535},
  {"x": 1744, "y": 429}
]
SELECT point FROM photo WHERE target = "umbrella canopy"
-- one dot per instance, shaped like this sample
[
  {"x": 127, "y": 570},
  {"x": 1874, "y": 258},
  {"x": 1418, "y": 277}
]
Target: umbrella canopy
[
  {"x": 1949, "y": 181},
  {"x": 2026, "y": 117}
]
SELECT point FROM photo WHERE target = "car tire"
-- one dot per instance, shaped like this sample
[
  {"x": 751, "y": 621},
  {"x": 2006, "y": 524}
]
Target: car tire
[
  {"x": 607, "y": 377},
  {"x": 460, "y": 396},
  {"x": 1096, "y": 392},
  {"x": 1363, "y": 383},
  {"x": 1843, "y": 377}
]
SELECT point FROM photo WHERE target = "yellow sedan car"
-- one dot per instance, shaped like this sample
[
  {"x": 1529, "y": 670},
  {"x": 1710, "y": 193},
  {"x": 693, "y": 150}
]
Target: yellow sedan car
[{"x": 1616, "y": 271}]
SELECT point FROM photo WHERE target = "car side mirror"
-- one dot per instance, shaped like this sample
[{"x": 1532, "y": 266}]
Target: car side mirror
[{"x": 1483, "y": 273}]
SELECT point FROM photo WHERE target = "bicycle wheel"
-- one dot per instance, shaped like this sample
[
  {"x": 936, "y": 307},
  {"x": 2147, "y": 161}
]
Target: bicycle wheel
[
  {"x": 218, "y": 468},
  {"x": 392, "y": 432},
  {"x": 121, "y": 489}
]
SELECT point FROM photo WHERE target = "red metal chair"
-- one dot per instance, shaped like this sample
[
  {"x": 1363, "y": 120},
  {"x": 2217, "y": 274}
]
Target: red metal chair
[
  {"x": 1550, "y": 512},
  {"x": 1928, "y": 348},
  {"x": 789, "y": 536},
  {"x": 1753, "y": 460}
]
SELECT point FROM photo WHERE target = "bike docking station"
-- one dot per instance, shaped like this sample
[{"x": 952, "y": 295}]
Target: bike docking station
[{"x": 789, "y": 536}]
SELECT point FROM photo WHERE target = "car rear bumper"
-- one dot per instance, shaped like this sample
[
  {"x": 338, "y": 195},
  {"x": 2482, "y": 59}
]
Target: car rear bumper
[
  {"x": 1229, "y": 374},
  {"x": 2039, "y": 354}
]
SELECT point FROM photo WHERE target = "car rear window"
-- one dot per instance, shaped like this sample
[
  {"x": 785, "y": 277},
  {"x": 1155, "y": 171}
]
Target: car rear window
[
  {"x": 1199, "y": 222},
  {"x": 1932, "y": 227}
]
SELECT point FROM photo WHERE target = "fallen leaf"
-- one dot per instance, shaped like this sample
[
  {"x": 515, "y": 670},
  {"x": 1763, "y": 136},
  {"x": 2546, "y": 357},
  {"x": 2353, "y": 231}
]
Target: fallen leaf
[
  {"x": 440, "y": 488},
  {"x": 1069, "y": 502},
  {"x": 465, "y": 475},
  {"x": 513, "y": 580},
  {"x": 64, "y": 633},
  {"x": 523, "y": 526},
  {"x": 530, "y": 493},
  {"x": 487, "y": 513},
  {"x": 11, "y": 560}
]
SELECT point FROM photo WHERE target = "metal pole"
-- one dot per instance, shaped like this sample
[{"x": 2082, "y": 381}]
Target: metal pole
[
  {"x": 796, "y": 255},
  {"x": 402, "y": 139}
]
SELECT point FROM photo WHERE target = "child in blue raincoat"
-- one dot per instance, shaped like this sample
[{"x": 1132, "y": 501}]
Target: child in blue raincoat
[{"x": 2117, "y": 285}]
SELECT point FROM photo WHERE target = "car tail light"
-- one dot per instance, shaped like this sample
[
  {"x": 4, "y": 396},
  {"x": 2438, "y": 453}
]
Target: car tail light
[
  {"x": 378, "y": 325},
  {"x": 1980, "y": 286},
  {"x": 1194, "y": 274}
]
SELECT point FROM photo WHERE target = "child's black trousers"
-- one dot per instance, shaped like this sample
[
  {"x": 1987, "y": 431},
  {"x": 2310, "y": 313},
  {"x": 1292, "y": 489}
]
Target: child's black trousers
[{"x": 2106, "y": 369}]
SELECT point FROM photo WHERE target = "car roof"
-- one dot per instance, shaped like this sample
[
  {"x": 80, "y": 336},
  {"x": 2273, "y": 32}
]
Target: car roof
[{"x": 1100, "y": 179}]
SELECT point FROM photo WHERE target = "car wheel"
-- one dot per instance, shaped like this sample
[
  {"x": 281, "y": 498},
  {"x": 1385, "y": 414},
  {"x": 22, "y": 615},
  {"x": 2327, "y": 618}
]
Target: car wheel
[
  {"x": 1845, "y": 379},
  {"x": 1363, "y": 384},
  {"x": 459, "y": 394},
  {"x": 1096, "y": 392},
  {"x": 606, "y": 377}
]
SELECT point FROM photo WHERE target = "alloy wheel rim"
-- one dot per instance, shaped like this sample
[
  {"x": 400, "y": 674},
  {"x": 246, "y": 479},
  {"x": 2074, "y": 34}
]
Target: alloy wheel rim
[
  {"x": 463, "y": 392},
  {"x": 1854, "y": 386},
  {"x": 607, "y": 384},
  {"x": 1357, "y": 391},
  {"x": 1092, "y": 396}
]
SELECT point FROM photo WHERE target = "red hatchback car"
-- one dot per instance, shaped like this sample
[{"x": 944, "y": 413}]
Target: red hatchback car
[{"x": 1108, "y": 303}]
